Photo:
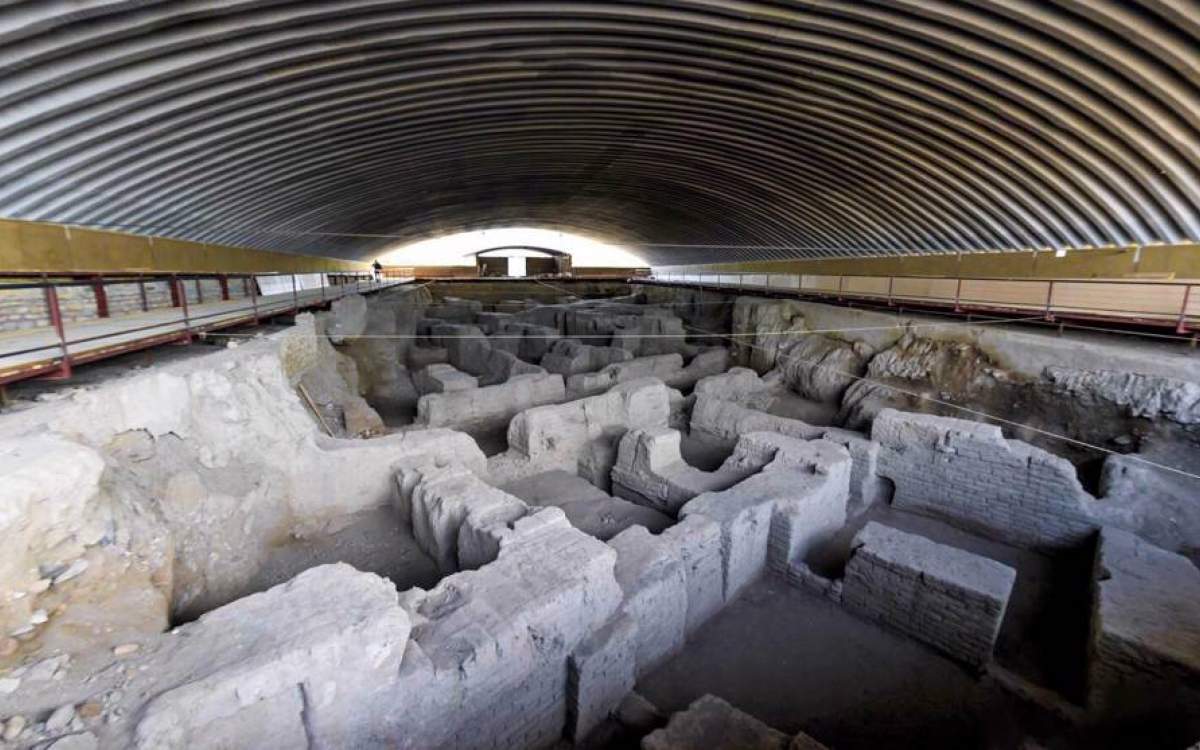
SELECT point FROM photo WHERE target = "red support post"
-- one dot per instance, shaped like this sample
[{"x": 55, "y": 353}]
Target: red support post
[
  {"x": 101, "y": 297},
  {"x": 224, "y": 282},
  {"x": 1181, "y": 324},
  {"x": 56, "y": 320},
  {"x": 174, "y": 285}
]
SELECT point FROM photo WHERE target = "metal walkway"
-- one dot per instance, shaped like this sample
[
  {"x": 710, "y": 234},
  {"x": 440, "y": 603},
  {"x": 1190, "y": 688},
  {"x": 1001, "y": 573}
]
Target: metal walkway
[{"x": 51, "y": 351}]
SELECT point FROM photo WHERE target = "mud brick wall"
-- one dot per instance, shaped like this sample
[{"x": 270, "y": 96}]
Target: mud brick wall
[
  {"x": 967, "y": 473},
  {"x": 946, "y": 597}
]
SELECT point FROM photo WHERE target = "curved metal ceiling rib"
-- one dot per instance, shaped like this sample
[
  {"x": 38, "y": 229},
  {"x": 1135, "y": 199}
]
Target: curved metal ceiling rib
[{"x": 699, "y": 130}]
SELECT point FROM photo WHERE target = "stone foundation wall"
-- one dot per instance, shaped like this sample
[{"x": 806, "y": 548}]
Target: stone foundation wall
[
  {"x": 491, "y": 407},
  {"x": 183, "y": 479},
  {"x": 797, "y": 501},
  {"x": 26, "y": 308},
  {"x": 580, "y": 437},
  {"x": 968, "y": 474},
  {"x": 946, "y": 597},
  {"x": 1144, "y": 651}
]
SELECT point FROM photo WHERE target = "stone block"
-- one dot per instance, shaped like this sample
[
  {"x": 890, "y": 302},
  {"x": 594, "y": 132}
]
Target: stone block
[
  {"x": 569, "y": 357},
  {"x": 600, "y": 673},
  {"x": 457, "y": 519},
  {"x": 455, "y": 310},
  {"x": 567, "y": 435},
  {"x": 443, "y": 378},
  {"x": 968, "y": 474},
  {"x": 590, "y": 383},
  {"x": 710, "y": 723},
  {"x": 705, "y": 364},
  {"x": 650, "y": 470},
  {"x": 487, "y": 667},
  {"x": 795, "y": 503},
  {"x": 943, "y": 596},
  {"x": 724, "y": 421},
  {"x": 587, "y": 508},
  {"x": 1144, "y": 654},
  {"x": 492, "y": 322},
  {"x": 491, "y": 407},
  {"x": 347, "y": 318},
  {"x": 293, "y": 664},
  {"x": 698, "y": 540},
  {"x": 651, "y": 575}
]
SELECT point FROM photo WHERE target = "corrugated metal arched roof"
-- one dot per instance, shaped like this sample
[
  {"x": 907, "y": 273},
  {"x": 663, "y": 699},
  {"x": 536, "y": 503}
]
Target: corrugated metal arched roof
[{"x": 778, "y": 129}]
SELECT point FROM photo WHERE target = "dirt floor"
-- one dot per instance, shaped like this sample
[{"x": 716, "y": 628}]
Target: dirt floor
[
  {"x": 374, "y": 541},
  {"x": 799, "y": 662},
  {"x": 1044, "y": 635}
]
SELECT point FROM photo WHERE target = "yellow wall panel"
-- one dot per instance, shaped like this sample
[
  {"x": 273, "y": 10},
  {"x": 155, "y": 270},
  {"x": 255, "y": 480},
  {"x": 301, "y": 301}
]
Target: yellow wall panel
[
  {"x": 1159, "y": 261},
  {"x": 43, "y": 245},
  {"x": 29, "y": 246}
]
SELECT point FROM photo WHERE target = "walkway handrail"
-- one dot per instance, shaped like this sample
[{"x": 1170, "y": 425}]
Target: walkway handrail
[
  {"x": 1140, "y": 301},
  {"x": 59, "y": 365}
]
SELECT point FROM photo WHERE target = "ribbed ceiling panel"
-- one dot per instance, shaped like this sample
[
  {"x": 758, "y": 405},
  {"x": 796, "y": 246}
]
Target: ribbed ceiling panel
[{"x": 769, "y": 129}]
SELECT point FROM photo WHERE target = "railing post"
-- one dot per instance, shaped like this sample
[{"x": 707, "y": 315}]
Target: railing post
[
  {"x": 253, "y": 286},
  {"x": 295, "y": 296},
  {"x": 223, "y": 280},
  {"x": 187, "y": 320},
  {"x": 841, "y": 282},
  {"x": 56, "y": 320},
  {"x": 1181, "y": 324},
  {"x": 891, "y": 281},
  {"x": 101, "y": 295},
  {"x": 958, "y": 295},
  {"x": 174, "y": 285},
  {"x": 1049, "y": 299},
  {"x": 142, "y": 295},
  {"x": 199, "y": 291}
]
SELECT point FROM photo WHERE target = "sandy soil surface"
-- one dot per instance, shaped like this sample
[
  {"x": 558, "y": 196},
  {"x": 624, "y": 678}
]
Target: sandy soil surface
[{"x": 799, "y": 662}]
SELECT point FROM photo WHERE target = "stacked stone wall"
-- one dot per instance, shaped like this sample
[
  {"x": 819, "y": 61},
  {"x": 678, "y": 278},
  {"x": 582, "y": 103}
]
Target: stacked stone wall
[
  {"x": 26, "y": 308},
  {"x": 968, "y": 474},
  {"x": 946, "y": 597},
  {"x": 1144, "y": 650}
]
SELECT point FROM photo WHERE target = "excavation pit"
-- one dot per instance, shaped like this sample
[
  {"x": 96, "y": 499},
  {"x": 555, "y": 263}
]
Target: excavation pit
[{"x": 482, "y": 517}]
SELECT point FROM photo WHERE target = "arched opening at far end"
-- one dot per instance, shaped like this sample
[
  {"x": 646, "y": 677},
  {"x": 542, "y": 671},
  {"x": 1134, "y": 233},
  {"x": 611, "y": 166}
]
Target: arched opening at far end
[{"x": 514, "y": 251}]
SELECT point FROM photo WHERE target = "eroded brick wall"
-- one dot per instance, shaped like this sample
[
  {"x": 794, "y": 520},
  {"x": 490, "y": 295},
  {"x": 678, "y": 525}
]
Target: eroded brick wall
[{"x": 949, "y": 598}]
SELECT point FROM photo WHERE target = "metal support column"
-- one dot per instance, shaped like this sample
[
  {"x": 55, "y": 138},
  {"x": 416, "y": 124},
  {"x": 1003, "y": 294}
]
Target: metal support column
[
  {"x": 56, "y": 320},
  {"x": 101, "y": 297},
  {"x": 1181, "y": 323},
  {"x": 187, "y": 320},
  {"x": 254, "y": 297}
]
